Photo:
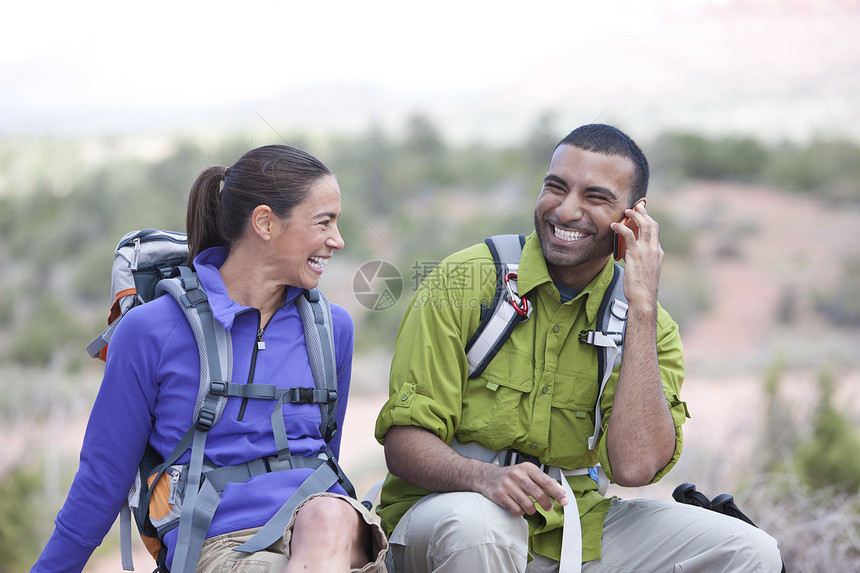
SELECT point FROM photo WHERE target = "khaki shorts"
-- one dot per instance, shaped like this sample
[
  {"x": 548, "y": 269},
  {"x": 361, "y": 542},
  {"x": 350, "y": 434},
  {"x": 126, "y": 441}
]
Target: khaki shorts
[{"x": 217, "y": 555}]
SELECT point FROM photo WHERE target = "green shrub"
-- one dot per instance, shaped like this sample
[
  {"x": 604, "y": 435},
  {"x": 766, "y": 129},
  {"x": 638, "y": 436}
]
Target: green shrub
[
  {"x": 831, "y": 457},
  {"x": 842, "y": 306},
  {"x": 695, "y": 156},
  {"x": 22, "y": 519},
  {"x": 53, "y": 326},
  {"x": 828, "y": 168}
]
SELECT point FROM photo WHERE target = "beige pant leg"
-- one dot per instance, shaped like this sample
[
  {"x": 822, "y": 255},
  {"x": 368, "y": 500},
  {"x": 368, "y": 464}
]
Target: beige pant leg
[
  {"x": 459, "y": 532},
  {"x": 218, "y": 556},
  {"x": 646, "y": 536}
]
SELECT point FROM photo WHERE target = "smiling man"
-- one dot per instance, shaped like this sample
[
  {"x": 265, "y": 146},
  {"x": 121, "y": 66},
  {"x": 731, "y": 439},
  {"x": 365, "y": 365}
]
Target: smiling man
[{"x": 496, "y": 471}]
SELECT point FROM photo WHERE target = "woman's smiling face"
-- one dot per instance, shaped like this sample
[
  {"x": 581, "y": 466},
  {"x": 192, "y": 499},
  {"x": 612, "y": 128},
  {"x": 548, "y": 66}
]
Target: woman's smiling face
[{"x": 307, "y": 238}]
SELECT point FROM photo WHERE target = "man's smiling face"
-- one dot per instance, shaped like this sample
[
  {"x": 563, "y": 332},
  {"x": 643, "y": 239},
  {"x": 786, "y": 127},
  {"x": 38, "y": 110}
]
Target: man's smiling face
[{"x": 582, "y": 194}]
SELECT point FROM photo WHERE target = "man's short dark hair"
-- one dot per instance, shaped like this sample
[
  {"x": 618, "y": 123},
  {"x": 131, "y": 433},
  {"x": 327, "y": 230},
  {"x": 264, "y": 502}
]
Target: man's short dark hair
[{"x": 608, "y": 140}]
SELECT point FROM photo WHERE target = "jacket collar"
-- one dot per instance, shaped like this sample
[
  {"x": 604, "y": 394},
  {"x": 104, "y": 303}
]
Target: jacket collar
[{"x": 225, "y": 309}]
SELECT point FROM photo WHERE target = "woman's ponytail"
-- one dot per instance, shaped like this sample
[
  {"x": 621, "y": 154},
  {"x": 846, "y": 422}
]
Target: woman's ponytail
[{"x": 203, "y": 220}]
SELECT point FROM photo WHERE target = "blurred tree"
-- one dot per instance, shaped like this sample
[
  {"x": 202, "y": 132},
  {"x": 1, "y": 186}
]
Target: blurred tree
[
  {"x": 688, "y": 155},
  {"x": 831, "y": 457},
  {"x": 842, "y": 306},
  {"x": 54, "y": 325},
  {"x": 830, "y": 168},
  {"x": 540, "y": 142},
  {"x": 779, "y": 435},
  {"x": 423, "y": 137}
]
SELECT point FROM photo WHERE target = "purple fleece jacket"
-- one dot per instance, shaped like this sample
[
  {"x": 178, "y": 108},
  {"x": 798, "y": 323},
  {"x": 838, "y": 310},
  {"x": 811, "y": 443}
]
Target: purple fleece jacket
[{"x": 148, "y": 393}]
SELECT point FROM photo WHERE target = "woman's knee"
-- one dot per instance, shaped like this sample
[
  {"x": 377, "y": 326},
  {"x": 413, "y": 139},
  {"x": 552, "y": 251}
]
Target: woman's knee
[{"x": 327, "y": 515}]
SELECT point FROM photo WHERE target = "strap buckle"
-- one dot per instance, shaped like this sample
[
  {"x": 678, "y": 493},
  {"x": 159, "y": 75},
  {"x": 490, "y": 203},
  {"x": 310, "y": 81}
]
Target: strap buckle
[
  {"x": 325, "y": 396},
  {"x": 513, "y": 457},
  {"x": 520, "y": 304},
  {"x": 601, "y": 338},
  {"x": 205, "y": 419},
  {"x": 299, "y": 395}
]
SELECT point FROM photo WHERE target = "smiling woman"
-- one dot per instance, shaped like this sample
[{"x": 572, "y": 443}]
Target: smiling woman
[{"x": 259, "y": 233}]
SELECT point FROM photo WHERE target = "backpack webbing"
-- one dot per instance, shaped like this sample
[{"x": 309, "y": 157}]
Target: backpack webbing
[
  {"x": 503, "y": 317},
  {"x": 500, "y": 320}
]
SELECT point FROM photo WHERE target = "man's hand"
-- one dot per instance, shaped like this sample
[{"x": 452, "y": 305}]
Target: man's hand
[
  {"x": 517, "y": 488},
  {"x": 644, "y": 259}
]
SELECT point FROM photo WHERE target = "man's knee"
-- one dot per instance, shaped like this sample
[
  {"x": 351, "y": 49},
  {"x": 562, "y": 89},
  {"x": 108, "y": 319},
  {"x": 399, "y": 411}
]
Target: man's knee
[
  {"x": 759, "y": 548},
  {"x": 467, "y": 519},
  {"x": 653, "y": 534},
  {"x": 463, "y": 528},
  {"x": 743, "y": 546}
]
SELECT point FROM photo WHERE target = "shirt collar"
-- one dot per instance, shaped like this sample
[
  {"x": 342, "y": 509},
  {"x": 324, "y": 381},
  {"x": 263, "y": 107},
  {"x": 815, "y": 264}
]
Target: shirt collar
[{"x": 533, "y": 273}]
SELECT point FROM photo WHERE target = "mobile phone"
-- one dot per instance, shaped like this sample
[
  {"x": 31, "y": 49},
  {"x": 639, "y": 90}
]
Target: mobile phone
[{"x": 619, "y": 245}]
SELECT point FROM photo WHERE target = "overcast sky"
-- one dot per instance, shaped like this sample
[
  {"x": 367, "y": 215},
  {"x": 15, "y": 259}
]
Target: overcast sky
[
  {"x": 789, "y": 68},
  {"x": 64, "y": 55}
]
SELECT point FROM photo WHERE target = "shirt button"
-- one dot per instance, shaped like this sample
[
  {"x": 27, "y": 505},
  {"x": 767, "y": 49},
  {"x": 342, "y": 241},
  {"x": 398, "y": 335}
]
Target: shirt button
[
  {"x": 532, "y": 446},
  {"x": 556, "y": 328},
  {"x": 545, "y": 389},
  {"x": 549, "y": 290},
  {"x": 404, "y": 397}
]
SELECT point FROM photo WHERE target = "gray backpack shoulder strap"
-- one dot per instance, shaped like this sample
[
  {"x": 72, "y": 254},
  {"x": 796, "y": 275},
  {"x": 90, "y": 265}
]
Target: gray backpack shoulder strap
[
  {"x": 315, "y": 311},
  {"x": 213, "y": 343},
  {"x": 509, "y": 308},
  {"x": 608, "y": 337}
]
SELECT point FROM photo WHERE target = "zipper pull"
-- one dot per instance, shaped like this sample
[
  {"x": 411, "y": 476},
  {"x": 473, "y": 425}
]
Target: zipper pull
[
  {"x": 136, "y": 256},
  {"x": 174, "y": 482},
  {"x": 261, "y": 345}
]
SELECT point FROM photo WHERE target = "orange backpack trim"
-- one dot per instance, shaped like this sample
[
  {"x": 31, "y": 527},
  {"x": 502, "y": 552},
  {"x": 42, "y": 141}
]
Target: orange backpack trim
[{"x": 114, "y": 314}]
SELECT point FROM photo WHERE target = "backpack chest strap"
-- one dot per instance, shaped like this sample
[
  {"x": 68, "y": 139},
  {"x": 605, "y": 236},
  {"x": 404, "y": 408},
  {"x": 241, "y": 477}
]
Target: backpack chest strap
[{"x": 295, "y": 395}]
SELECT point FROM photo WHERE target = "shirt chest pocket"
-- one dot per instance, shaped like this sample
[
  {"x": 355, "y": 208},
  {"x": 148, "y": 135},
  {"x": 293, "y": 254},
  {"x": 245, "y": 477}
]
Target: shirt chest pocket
[
  {"x": 574, "y": 396},
  {"x": 498, "y": 402},
  {"x": 574, "y": 391}
]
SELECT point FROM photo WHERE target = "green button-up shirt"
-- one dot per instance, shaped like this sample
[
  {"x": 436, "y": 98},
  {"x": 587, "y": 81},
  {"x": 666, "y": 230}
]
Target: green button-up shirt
[{"x": 538, "y": 394}]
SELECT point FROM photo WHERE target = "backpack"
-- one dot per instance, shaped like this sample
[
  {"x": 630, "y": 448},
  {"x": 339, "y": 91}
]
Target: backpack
[
  {"x": 164, "y": 496},
  {"x": 509, "y": 309}
]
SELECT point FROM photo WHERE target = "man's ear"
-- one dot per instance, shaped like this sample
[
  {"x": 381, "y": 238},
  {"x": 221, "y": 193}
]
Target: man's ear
[{"x": 262, "y": 221}]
